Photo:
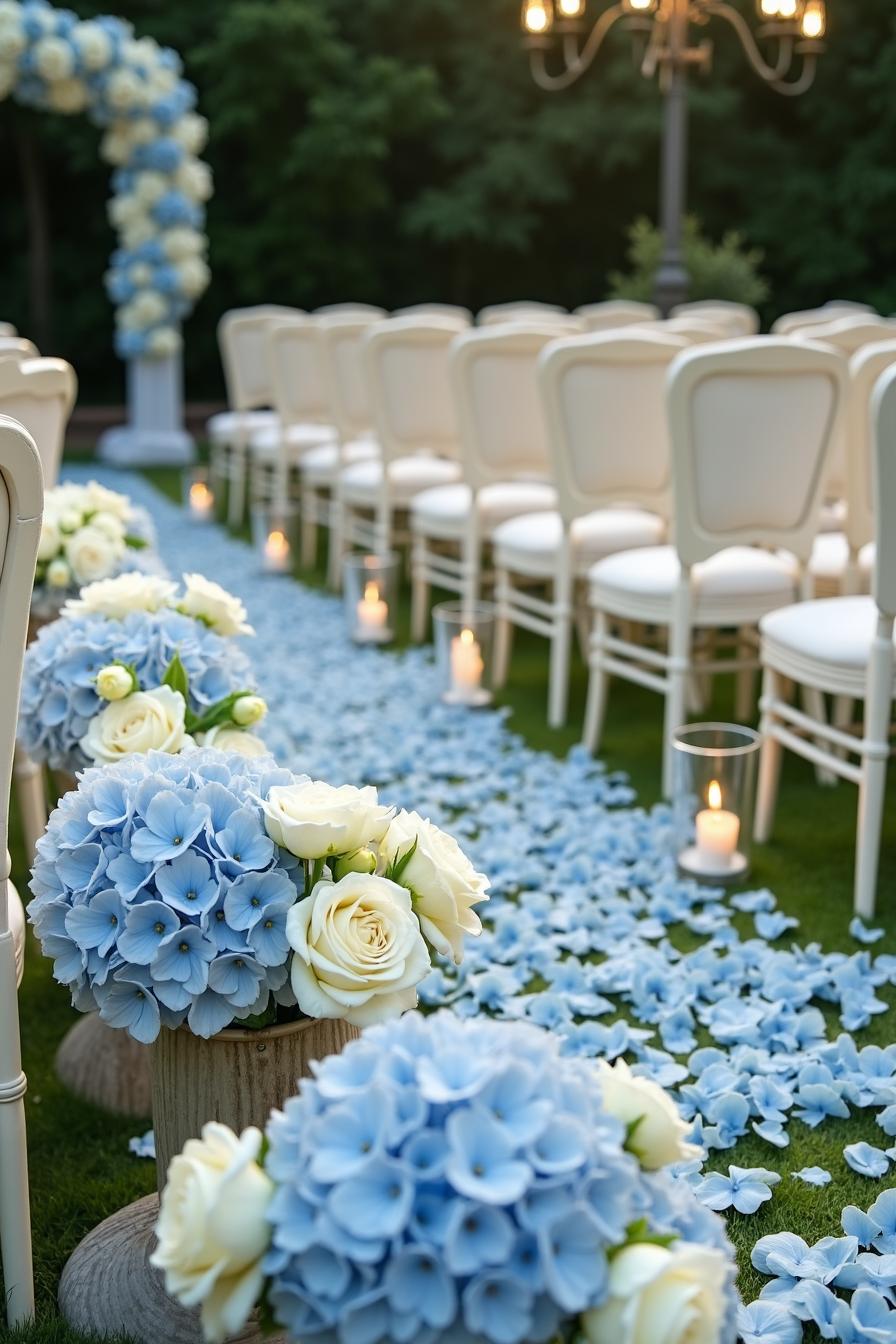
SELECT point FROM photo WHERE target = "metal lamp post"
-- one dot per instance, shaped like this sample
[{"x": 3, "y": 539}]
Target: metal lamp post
[{"x": 783, "y": 52}]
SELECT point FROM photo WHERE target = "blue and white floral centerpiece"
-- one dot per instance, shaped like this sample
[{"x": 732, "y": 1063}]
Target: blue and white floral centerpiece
[
  {"x": 134, "y": 664},
  {"x": 205, "y": 887},
  {"x": 447, "y": 1180},
  {"x": 88, "y": 532}
]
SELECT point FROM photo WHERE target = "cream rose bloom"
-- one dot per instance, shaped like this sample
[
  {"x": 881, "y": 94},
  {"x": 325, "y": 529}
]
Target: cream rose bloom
[
  {"x": 359, "y": 952},
  {"x": 103, "y": 500},
  {"x": 224, "y": 737},
  {"x": 50, "y": 539},
  {"x": 249, "y": 709},
  {"x": 58, "y": 573},
  {"x": 117, "y": 597},
  {"x": 114, "y": 682},
  {"x": 658, "y": 1136},
  {"x": 211, "y": 603},
  {"x": 660, "y": 1296},
  {"x": 442, "y": 880},
  {"x": 144, "y": 721},
  {"x": 91, "y": 554},
  {"x": 213, "y": 1230},
  {"x": 314, "y": 820},
  {"x": 109, "y": 524}
]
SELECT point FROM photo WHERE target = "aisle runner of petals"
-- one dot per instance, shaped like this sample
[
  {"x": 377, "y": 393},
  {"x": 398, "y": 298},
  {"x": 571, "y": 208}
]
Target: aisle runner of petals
[{"x": 584, "y": 895}]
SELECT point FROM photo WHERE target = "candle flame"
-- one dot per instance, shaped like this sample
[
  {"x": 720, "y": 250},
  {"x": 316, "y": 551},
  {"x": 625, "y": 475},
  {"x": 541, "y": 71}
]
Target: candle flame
[
  {"x": 200, "y": 493},
  {"x": 714, "y": 795},
  {"x": 371, "y": 592},
  {"x": 467, "y": 637},
  {"x": 277, "y": 543}
]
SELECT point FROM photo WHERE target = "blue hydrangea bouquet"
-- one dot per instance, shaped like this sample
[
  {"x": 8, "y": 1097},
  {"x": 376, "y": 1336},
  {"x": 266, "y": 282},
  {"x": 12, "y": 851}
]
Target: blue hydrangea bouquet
[
  {"x": 208, "y": 887},
  {"x": 451, "y": 1180},
  {"x": 88, "y": 532},
  {"x": 134, "y": 664}
]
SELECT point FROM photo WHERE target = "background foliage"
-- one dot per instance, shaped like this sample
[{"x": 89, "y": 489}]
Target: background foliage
[{"x": 397, "y": 150}]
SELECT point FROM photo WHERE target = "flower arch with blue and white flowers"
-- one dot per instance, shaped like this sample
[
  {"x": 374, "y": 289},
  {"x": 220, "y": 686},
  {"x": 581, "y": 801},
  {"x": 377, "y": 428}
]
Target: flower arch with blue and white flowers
[{"x": 133, "y": 89}]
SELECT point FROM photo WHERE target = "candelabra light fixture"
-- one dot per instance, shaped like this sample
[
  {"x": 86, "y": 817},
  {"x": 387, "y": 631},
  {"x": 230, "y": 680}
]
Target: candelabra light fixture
[{"x": 671, "y": 35}]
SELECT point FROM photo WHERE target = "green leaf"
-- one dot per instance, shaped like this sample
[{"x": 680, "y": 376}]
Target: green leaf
[
  {"x": 218, "y": 713},
  {"x": 136, "y": 543},
  {"x": 176, "y": 677},
  {"x": 396, "y": 870},
  {"x": 259, "y": 1020}
]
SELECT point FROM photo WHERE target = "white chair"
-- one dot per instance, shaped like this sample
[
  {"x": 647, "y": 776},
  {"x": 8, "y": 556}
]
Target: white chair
[
  {"x": 613, "y": 313},
  {"x": 21, "y": 495},
  {"x": 692, "y": 330},
  {"x": 242, "y": 336},
  {"x": 453, "y": 311},
  {"x": 359, "y": 310},
  {"x": 301, "y": 399},
  {"x": 603, "y": 404},
  {"x": 406, "y": 362},
  {"x": 7, "y": 329},
  {"x": 841, "y": 646},
  {"x": 848, "y": 332},
  {"x": 751, "y": 424},
  {"x": 503, "y": 456},
  {"x": 17, "y": 347},
  {"x": 524, "y": 310},
  {"x": 736, "y": 319},
  {"x": 788, "y": 323}
]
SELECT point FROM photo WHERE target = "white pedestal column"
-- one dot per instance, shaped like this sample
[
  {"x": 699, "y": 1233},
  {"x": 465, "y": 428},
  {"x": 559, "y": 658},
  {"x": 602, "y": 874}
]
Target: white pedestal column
[{"x": 155, "y": 433}]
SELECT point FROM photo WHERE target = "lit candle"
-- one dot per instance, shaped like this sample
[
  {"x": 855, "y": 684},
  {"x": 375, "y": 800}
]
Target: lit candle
[
  {"x": 202, "y": 502},
  {"x": 276, "y": 552},
  {"x": 466, "y": 669},
  {"x": 718, "y": 832},
  {"x": 372, "y": 613}
]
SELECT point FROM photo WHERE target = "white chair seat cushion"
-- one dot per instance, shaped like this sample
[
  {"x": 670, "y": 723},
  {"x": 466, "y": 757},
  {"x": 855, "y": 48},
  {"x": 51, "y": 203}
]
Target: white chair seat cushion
[
  {"x": 824, "y": 643},
  {"x": 265, "y": 443},
  {"x": 531, "y": 544},
  {"x": 830, "y": 554},
  {"x": 17, "y": 928},
  {"x": 228, "y": 425},
  {"x": 360, "y": 483},
  {"x": 443, "y": 511},
  {"x": 320, "y": 466},
  {"x": 738, "y": 585}
]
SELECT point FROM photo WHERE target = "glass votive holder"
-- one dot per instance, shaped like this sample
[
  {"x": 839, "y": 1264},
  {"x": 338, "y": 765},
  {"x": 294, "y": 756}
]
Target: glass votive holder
[
  {"x": 198, "y": 495},
  {"x": 464, "y": 635},
  {"x": 275, "y": 537},
  {"x": 715, "y": 774},
  {"x": 370, "y": 593}
]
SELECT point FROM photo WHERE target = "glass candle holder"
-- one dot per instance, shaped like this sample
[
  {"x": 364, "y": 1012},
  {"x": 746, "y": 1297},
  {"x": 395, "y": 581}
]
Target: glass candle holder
[
  {"x": 464, "y": 634},
  {"x": 715, "y": 773},
  {"x": 275, "y": 537},
  {"x": 198, "y": 495},
  {"x": 370, "y": 592}
]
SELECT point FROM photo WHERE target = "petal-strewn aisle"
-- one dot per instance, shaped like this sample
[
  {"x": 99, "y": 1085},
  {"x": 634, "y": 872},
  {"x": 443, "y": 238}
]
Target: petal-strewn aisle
[{"x": 584, "y": 894}]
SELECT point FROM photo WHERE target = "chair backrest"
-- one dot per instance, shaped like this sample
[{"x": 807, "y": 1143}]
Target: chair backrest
[
  {"x": 524, "y": 310},
  {"x": 788, "y": 323},
  {"x": 346, "y": 371},
  {"x": 21, "y": 506},
  {"x": 752, "y": 423},
  {"x": 242, "y": 342},
  {"x": 360, "y": 310},
  {"x": 605, "y": 404},
  {"x": 883, "y": 414},
  {"x": 40, "y": 394},
  {"x": 407, "y": 361},
  {"x": 7, "y": 329},
  {"x": 427, "y": 310},
  {"x": 614, "y": 313},
  {"x": 299, "y": 383},
  {"x": 691, "y": 330},
  {"x": 736, "y": 319},
  {"x": 849, "y": 332},
  {"x": 865, "y": 370},
  {"x": 17, "y": 347},
  {"x": 503, "y": 432}
]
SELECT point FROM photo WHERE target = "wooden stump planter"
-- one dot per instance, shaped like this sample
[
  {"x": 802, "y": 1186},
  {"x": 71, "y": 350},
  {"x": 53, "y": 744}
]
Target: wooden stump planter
[
  {"x": 106, "y": 1067},
  {"x": 108, "y": 1285}
]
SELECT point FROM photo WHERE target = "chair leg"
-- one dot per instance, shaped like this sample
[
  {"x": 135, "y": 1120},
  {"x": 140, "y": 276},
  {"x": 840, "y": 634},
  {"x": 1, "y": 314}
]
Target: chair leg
[
  {"x": 745, "y": 683},
  {"x": 814, "y": 705},
  {"x": 236, "y": 489},
  {"x": 15, "y": 1217},
  {"x": 561, "y": 637},
  {"x": 503, "y": 629},
  {"x": 875, "y": 751},
  {"x": 680, "y": 669},
  {"x": 308, "y": 544},
  {"x": 338, "y": 526},
  {"x": 598, "y": 686},
  {"x": 29, "y": 780},
  {"x": 419, "y": 590},
  {"x": 769, "y": 759}
]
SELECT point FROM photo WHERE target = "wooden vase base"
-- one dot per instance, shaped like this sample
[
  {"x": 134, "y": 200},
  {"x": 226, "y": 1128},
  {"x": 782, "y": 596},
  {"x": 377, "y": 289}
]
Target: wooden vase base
[
  {"x": 108, "y": 1286},
  {"x": 105, "y": 1066}
]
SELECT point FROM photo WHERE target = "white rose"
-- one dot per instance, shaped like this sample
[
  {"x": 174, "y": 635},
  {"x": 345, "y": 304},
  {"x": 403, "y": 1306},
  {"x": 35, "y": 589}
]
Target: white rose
[
  {"x": 191, "y": 132},
  {"x": 91, "y": 554},
  {"x": 68, "y": 95},
  {"x": 660, "y": 1296},
  {"x": 213, "y": 1229},
  {"x": 94, "y": 45},
  {"x": 249, "y": 709},
  {"x": 225, "y": 738},
  {"x": 143, "y": 721},
  {"x": 117, "y": 597},
  {"x": 211, "y": 603},
  {"x": 58, "y": 573},
  {"x": 194, "y": 179},
  {"x": 70, "y": 518},
  {"x": 150, "y": 187},
  {"x": 109, "y": 525},
  {"x": 657, "y": 1136},
  {"x": 115, "y": 146},
  {"x": 114, "y": 682},
  {"x": 164, "y": 341},
  {"x": 12, "y": 35},
  {"x": 181, "y": 242},
  {"x": 442, "y": 880},
  {"x": 54, "y": 58},
  {"x": 193, "y": 276},
  {"x": 359, "y": 952},
  {"x": 314, "y": 820},
  {"x": 102, "y": 500},
  {"x": 123, "y": 90},
  {"x": 137, "y": 232},
  {"x": 50, "y": 539}
]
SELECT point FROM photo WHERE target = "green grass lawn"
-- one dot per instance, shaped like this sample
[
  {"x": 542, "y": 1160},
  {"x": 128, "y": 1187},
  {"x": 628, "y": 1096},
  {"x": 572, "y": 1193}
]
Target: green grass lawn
[{"x": 81, "y": 1170}]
